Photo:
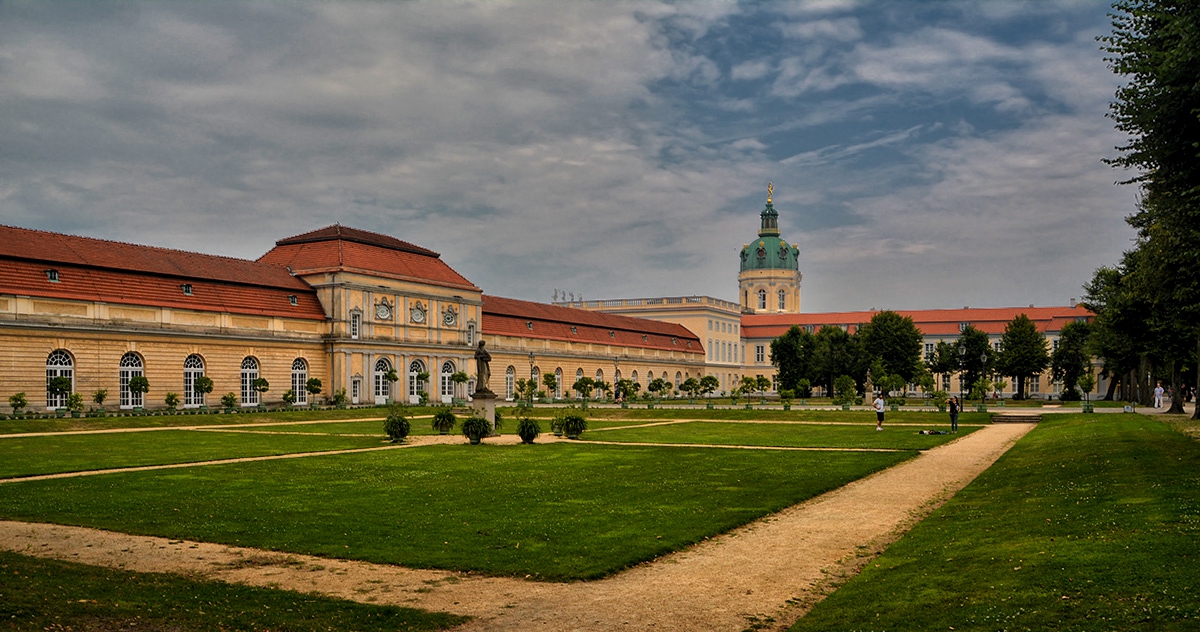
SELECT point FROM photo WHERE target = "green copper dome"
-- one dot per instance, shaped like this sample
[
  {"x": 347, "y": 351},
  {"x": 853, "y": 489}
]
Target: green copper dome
[{"x": 769, "y": 251}]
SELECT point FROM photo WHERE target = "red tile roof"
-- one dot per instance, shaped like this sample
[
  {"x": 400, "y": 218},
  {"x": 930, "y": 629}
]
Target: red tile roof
[
  {"x": 512, "y": 317},
  {"x": 339, "y": 248},
  {"x": 82, "y": 283},
  {"x": 345, "y": 233},
  {"x": 57, "y": 248},
  {"x": 932, "y": 322}
]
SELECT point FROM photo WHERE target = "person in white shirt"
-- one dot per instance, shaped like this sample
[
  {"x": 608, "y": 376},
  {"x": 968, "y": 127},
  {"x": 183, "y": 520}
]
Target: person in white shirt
[
  {"x": 1158, "y": 395},
  {"x": 878, "y": 404}
]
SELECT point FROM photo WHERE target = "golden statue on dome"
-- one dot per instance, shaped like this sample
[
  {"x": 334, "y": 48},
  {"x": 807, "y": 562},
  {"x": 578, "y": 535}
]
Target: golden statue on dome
[{"x": 770, "y": 191}]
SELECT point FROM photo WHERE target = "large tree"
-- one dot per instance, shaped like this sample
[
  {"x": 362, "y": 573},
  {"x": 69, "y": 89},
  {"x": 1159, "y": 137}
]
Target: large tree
[
  {"x": 1071, "y": 358},
  {"x": 838, "y": 353},
  {"x": 894, "y": 340},
  {"x": 976, "y": 358},
  {"x": 1023, "y": 352},
  {"x": 794, "y": 355},
  {"x": 1156, "y": 44}
]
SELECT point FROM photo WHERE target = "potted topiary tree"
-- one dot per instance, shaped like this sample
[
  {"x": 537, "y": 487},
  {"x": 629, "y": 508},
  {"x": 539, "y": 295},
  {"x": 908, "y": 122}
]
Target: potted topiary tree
[
  {"x": 785, "y": 397},
  {"x": 140, "y": 385},
  {"x": 748, "y": 385},
  {"x": 338, "y": 399},
  {"x": 392, "y": 377},
  {"x": 229, "y": 401},
  {"x": 551, "y": 382},
  {"x": 203, "y": 386},
  {"x": 313, "y": 387},
  {"x": 475, "y": 428},
  {"x": 979, "y": 390},
  {"x": 422, "y": 394},
  {"x": 98, "y": 397},
  {"x": 556, "y": 425},
  {"x": 691, "y": 386},
  {"x": 940, "y": 398},
  {"x": 846, "y": 391},
  {"x": 573, "y": 425},
  {"x": 803, "y": 390},
  {"x": 18, "y": 403},
  {"x": 1000, "y": 384},
  {"x": 396, "y": 426},
  {"x": 656, "y": 387},
  {"x": 764, "y": 385},
  {"x": 75, "y": 404},
  {"x": 528, "y": 429},
  {"x": 1086, "y": 383},
  {"x": 289, "y": 398},
  {"x": 584, "y": 386},
  {"x": 171, "y": 400},
  {"x": 59, "y": 387},
  {"x": 708, "y": 385},
  {"x": 459, "y": 378},
  {"x": 444, "y": 421},
  {"x": 261, "y": 386},
  {"x": 603, "y": 390}
]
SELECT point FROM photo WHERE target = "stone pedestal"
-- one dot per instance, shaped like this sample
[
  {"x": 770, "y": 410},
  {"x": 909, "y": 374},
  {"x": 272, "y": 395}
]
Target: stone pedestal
[{"x": 484, "y": 404}]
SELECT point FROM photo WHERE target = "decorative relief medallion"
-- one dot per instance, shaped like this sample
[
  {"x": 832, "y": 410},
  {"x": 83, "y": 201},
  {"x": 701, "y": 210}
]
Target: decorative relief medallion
[
  {"x": 383, "y": 311},
  {"x": 449, "y": 317},
  {"x": 417, "y": 313}
]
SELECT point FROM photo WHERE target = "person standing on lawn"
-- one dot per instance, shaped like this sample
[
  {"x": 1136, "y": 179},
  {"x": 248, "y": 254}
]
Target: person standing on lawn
[
  {"x": 878, "y": 404},
  {"x": 954, "y": 414},
  {"x": 1158, "y": 395}
]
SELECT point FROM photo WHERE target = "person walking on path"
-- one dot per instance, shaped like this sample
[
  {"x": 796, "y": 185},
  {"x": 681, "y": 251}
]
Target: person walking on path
[
  {"x": 1158, "y": 395},
  {"x": 953, "y": 414},
  {"x": 878, "y": 404}
]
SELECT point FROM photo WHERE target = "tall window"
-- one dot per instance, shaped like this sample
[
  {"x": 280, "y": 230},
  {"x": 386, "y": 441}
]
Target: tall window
[
  {"x": 578, "y": 376},
  {"x": 946, "y": 382},
  {"x": 131, "y": 367},
  {"x": 470, "y": 333},
  {"x": 649, "y": 376},
  {"x": 447, "y": 383},
  {"x": 355, "y": 324},
  {"x": 633, "y": 376},
  {"x": 59, "y": 364},
  {"x": 355, "y": 389},
  {"x": 782, "y": 300},
  {"x": 760, "y": 353},
  {"x": 558, "y": 385},
  {"x": 193, "y": 367},
  {"x": 299, "y": 380},
  {"x": 710, "y": 349},
  {"x": 415, "y": 386},
  {"x": 510, "y": 382},
  {"x": 762, "y": 299},
  {"x": 249, "y": 374},
  {"x": 678, "y": 380},
  {"x": 382, "y": 385},
  {"x": 1037, "y": 384},
  {"x": 600, "y": 375}
]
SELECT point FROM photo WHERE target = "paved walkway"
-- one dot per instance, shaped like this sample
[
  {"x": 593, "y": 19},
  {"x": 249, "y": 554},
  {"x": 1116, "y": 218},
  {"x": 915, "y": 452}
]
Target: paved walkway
[{"x": 773, "y": 569}]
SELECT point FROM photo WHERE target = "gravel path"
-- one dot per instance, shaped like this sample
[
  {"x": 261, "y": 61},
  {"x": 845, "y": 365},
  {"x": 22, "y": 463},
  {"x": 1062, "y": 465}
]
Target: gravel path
[{"x": 769, "y": 572}]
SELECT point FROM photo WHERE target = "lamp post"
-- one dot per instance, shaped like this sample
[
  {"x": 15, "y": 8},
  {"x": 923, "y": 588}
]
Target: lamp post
[
  {"x": 533, "y": 382},
  {"x": 962, "y": 371},
  {"x": 983, "y": 358}
]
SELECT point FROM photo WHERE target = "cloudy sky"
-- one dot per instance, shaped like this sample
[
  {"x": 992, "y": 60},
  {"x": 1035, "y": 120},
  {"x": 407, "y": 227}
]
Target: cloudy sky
[{"x": 923, "y": 154}]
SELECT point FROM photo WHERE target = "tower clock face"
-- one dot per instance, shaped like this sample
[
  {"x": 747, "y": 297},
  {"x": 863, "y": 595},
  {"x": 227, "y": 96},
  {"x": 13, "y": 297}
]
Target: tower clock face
[{"x": 418, "y": 314}]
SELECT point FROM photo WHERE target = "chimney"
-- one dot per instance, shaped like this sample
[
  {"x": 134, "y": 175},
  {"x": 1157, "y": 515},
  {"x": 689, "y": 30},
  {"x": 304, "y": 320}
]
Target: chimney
[{"x": 1072, "y": 303}]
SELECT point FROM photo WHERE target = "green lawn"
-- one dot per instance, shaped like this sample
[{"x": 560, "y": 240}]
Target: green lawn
[
  {"x": 553, "y": 511},
  {"x": 38, "y": 595},
  {"x": 931, "y": 419},
  {"x": 1091, "y": 522},
  {"x": 789, "y": 435},
  {"x": 26, "y": 456}
]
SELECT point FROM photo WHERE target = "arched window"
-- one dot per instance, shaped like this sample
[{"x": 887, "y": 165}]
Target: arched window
[
  {"x": 633, "y": 376},
  {"x": 510, "y": 382},
  {"x": 678, "y": 380},
  {"x": 558, "y": 385},
  {"x": 300, "y": 380},
  {"x": 536, "y": 376},
  {"x": 131, "y": 367},
  {"x": 578, "y": 376},
  {"x": 59, "y": 364},
  {"x": 193, "y": 367},
  {"x": 762, "y": 299},
  {"x": 383, "y": 388},
  {"x": 414, "y": 386},
  {"x": 649, "y": 376},
  {"x": 249, "y": 374},
  {"x": 782, "y": 300},
  {"x": 447, "y": 383}
]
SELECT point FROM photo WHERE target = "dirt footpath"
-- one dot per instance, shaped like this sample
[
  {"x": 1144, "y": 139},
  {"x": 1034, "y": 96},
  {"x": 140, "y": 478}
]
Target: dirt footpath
[{"x": 769, "y": 572}]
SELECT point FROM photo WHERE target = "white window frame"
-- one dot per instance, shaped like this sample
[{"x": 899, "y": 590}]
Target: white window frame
[
  {"x": 782, "y": 300},
  {"x": 510, "y": 382},
  {"x": 447, "y": 384},
  {"x": 131, "y": 366},
  {"x": 355, "y": 324},
  {"x": 250, "y": 372},
  {"x": 59, "y": 364},
  {"x": 193, "y": 367},
  {"x": 300, "y": 380},
  {"x": 383, "y": 388}
]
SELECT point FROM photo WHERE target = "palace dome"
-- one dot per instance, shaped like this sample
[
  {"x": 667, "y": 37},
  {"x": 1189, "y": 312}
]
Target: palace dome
[{"x": 769, "y": 251}]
